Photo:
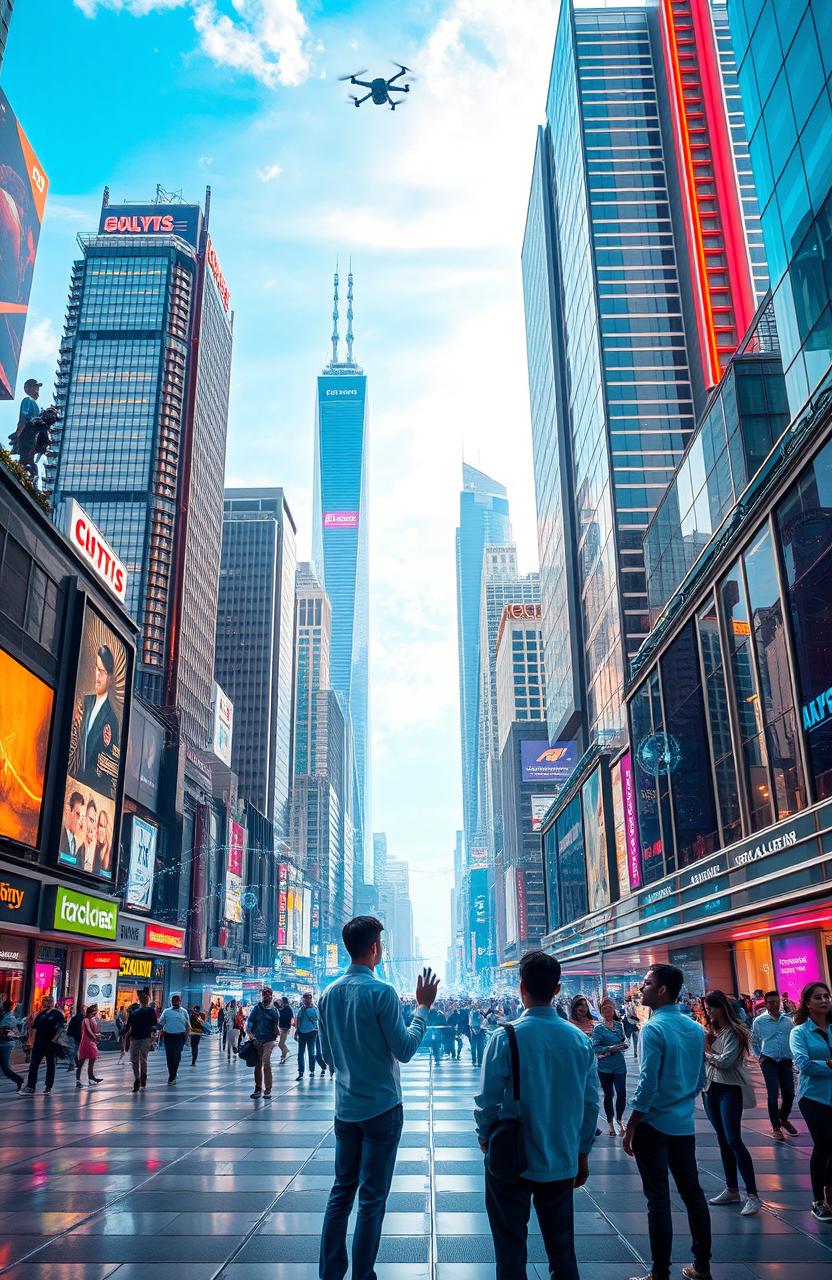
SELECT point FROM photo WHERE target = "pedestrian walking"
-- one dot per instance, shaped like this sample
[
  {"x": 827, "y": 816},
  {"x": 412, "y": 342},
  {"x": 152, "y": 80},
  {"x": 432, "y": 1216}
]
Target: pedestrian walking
[
  {"x": 540, "y": 1070},
  {"x": 8, "y": 1039},
  {"x": 264, "y": 1028},
  {"x": 222, "y": 1026},
  {"x": 138, "y": 1037},
  {"x": 770, "y": 1033},
  {"x": 609, "y": 1041},
  {"x": 73, "y": 1034},
  {"x": 306, "y": 1030},
  {"x": 476, "y": 1023},
  {"x": 580, "y": 1016},
  {"x": 196, "y": 1030},
  {"x": 811, "y": 1046},
  {"x": 88, "y": 1048},
  {"x": 437, "y": 1025},
  {"x": 46, "y": 1029},
  {"x": 660, "y": 1131},
  {"x": 236, "y": 1031},
  {"x": 285, "y": 1018},
  {"x": 631, "y": 1022},
  {"x": 727, "y": 1090},
  {"x": 363, "y": 1036},
  {"x": 175, "y": 1025}
]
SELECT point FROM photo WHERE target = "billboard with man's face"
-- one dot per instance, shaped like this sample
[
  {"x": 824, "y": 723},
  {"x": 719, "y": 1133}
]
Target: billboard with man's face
[
  {"x": 89, "y": 833},
  {"x": 23, "y": 187}
]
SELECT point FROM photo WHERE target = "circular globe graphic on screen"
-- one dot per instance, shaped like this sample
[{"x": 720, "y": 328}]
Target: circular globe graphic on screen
[
  {"x": 248, "y": 900},
  {"x": 659, "y": 754}
]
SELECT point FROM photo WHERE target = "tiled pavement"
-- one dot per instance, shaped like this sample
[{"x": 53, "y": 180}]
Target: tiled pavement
[{"x": 196, "y": 1181}]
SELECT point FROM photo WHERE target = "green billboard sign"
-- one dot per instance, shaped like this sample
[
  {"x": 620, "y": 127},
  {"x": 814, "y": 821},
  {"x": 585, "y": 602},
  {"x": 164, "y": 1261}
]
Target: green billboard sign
[{"x": 84, "y": 914}]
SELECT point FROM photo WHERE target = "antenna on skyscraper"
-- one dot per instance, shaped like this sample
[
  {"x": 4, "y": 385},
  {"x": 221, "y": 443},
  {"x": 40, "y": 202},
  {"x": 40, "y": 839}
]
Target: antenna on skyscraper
[
  {"x": 349, "y": 316},
  {"x": 335, "y": 319}
]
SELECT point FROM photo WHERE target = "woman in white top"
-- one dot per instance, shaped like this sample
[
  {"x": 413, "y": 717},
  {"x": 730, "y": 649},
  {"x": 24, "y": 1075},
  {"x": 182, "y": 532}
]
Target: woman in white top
[{"x": 726, "y": 1051}]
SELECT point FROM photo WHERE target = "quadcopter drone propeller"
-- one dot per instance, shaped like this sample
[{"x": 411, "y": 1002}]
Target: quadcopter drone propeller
[
  {"x": 407, "y": 70},
  {"x": 354, "y": 74}
]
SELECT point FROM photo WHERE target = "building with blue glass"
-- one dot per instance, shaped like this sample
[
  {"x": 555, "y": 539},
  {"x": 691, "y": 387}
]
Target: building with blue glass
[
  {"x": 142, "y": 387},
  {"x": 340, "y": 553}
]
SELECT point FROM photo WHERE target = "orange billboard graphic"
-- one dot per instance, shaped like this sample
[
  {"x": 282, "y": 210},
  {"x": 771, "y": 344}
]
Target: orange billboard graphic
[{"x": 25, "y": 720}]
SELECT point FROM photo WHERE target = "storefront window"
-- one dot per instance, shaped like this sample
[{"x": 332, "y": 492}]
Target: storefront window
[
  {"x": 718, "y": 724},
  {"x": 571, "y": 862},
  {"x": 804, "y": 521},
  {"x": 747, "y": 699},
  {"x": 691, "y": 783}
]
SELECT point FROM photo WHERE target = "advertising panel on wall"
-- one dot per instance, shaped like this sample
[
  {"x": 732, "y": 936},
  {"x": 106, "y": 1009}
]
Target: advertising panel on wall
[
  {"x": 25, "y": 722},
  {"x": 19, "y": 899},
  {"x": 143, "y": 841},
  {"x": 223, "y": 711},
  {"x": 88, "y": 837},
  {"x": 571, "y": 862},
  {"x": 151, "y": 220},
  {"x": 234, "y": 873},
  {"x": 542, "y": 762},
  {"x": 23, "y": 185},
  {"x": 539, "y": 807},
  {"x": 282, "y": 895},
  {"x": 631, "y": 833},
  {"x": 74, "y": 911},
  {"x": 595, "y": 842},
  {"x": 478, "y": 917},
  {"x": 510, "y": 899},
  {"x": 95, "y": 550},
  {"x": 797, "y": 960},
  {"x": 621, "y": 860},
  {"x": 522, "y": 906},
  {"x": 144, "y": 758},
  {"x": 306, "y": 934},
  {"x": 100, "y": 981}
]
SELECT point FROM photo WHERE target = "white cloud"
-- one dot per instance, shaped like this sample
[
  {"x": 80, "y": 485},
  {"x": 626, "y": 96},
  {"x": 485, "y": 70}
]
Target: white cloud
[
  {"x": 269, "y": 172},
  {"x": 267, "y": 39},
  {"x": 40, "y": 343}
]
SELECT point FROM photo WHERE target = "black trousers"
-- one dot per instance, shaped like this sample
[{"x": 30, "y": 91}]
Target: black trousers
[
  {"x": 818, "y": 1117},
  {"x": 658, "y": 1154},
  {"x": 617, "y": 1081},
  {"x": 173, "y": 1052},
  {"x": 39, "y": 1052},
  {"x": 509, "y": 1207},
  {"x": 779, "y": 1078}
]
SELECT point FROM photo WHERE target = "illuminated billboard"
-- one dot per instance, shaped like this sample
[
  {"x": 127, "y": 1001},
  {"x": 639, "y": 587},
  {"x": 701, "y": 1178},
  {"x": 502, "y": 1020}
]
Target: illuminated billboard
[
  {"x": 143, "y": 839},
  {"x": 23, "y": 187},
  {"x": 234, "y": 873},
  {"x": 223, "y": 709},
  {"x": 544, "y": 763},
  {"x": 89, "y": 832},
  {"x": 25, "y": 720},
  {"x": 340, "y": 519},
  {"x": 181, "y": 220},
  {"x": 282, "y": 894}
]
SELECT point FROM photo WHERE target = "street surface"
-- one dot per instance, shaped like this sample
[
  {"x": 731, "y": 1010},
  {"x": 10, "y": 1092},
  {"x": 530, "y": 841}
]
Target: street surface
[{"x": 196, "y": 1181}]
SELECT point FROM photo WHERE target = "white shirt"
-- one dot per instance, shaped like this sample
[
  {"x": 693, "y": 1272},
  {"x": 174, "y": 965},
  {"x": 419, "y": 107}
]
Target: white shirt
[
  {"x": 175, "y": 1021},
  {"x": 99, "y": 703}
]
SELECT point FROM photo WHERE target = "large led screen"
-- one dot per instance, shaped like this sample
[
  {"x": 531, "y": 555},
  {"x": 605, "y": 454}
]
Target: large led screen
[
  {"x": 23, "y": 187},
  {"x": 25, "y": 720},
  {"x": 96, "y": 760}
]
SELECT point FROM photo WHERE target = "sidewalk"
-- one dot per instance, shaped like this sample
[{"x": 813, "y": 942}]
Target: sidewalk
[{"x": 207, "y": 1183}]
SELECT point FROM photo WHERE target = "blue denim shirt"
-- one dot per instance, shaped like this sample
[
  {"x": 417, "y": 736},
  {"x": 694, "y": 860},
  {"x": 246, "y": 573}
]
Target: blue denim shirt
[
  {"x": 672, "y": 1070},
  {"x": 364, "y": 1037},
  {"x": 614, "y": 1064},
  {"x": 770, "y": 1036},
  {"x": 811, "y": 1050},
  {"x": 558, "y": 1092}
]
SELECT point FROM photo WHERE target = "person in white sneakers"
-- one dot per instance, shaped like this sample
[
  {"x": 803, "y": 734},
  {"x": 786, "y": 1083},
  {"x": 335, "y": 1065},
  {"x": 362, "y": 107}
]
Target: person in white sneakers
[{"x": 727, "y": 1090}]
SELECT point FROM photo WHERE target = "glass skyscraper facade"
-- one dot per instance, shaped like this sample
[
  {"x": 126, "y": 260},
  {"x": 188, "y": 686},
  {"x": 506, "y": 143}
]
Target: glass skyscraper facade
[
  {"x": 340, "y": 553},
  {"x": 313, "y": 629},
  {"x": 255, "y": 643},
  {"x": 5, "y": 18},
  {"x": 483, "y": 519},
  {"x": 142, "y": 386}
]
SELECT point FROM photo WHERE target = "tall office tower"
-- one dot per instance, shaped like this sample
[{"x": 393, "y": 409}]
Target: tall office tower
[
  {"x": 313, "y": 628},
  {"x": 340, "y": 552},
  {"x": 520, "y": 686},
  {"x": 6, "y": 7},
  {"x": 255, "y": 643},
  {"x": 483, "y": 518},
  {"x": 142, "y": 387},
  {"x": 501, "y": 585},
  {"x": 379, "y": 861},
  {"x": 398, "y": 922}
]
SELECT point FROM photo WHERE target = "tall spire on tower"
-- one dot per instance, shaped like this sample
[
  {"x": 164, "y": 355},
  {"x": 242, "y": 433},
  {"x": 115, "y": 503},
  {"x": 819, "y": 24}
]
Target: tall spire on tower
[
  {"x": 335, "y": 319},
  {"x": 349, "y": 316}
]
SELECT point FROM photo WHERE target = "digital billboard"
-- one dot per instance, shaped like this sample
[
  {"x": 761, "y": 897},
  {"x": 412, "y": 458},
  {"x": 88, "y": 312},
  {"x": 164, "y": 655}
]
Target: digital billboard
[
  {"x": 223, "y": 710},
  {"x": 25, "y": 720},
  {"x": 89, "y": 829},
  {"x": 23, "y": 187},
  {"x": 234, "y": 873},
  {"x": 797, "y": 960},
  {"x": 595, "y": 842},
  {"x": 282, "y": 895},
  {"x": 541, "y": 762},
  {"x": 151, "y": 220},
  {"x": 143, "y": 840},
  {"x": 340, "y": 519},
  {"x": 145, "y": 744}
]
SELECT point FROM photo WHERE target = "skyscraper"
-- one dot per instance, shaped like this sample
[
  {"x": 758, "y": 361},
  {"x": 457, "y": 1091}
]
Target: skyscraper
[
  {"x": 340, "y": 552},
  {"x": 313, "y": 631},
  {"x": 483, "y": 518},
  {"x": 255, "y": 643},
  {"x": 142, "y": 386},
  {"x": 5, "y": 18}
]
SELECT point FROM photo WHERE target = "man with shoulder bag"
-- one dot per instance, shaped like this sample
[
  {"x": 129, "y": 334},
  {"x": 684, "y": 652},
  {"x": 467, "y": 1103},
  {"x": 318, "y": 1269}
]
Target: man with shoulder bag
[
  {"x": 264, "y": 1028},
  {"x": 536, "y": 1114}
]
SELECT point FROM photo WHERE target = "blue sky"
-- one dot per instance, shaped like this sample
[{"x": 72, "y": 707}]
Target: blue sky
[{"x": 430, "y": 202}]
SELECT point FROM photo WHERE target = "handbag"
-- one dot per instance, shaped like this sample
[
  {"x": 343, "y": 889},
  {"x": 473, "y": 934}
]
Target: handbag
[
  {"x": 506, "y": 1155},
  {"x": 248, "y": 1053}
]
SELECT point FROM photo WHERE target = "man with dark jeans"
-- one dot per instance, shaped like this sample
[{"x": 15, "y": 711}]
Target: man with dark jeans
[
  {"x": 558, "y": 1109},
  {"x": 175, "y": 1025},
  {"x": 306, "y": 1023},
  {"x": 363, "y": 1038},
  {"x": 660, "y": 1132},
  {"x": 770, "y": 1041},
  {"x": 47, "y": 1026}
]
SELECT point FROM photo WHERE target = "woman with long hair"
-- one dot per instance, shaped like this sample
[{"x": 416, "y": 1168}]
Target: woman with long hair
[
  {"x": 726, "y": 1050},
  {"x": 88, "y": 1049},
  {"x": 810, "y": 1041},
  {"x": 580, "y": 1016},
  {"x": 609, "y": 1040}
]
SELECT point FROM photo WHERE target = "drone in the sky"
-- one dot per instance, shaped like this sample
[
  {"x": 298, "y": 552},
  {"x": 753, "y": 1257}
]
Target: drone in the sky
[{"x": 380, "y": 89}]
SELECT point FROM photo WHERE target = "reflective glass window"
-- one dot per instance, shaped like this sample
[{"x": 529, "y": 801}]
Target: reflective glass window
[
  {"x": 746, "y": 699},
  {"x": 571, "y": 862},
  {"x": 688, "y": 760}
]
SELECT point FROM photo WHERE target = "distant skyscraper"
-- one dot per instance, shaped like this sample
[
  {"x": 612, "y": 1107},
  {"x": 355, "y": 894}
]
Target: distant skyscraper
[
  {"x": 313, "y": 630},
  {"x": 483, "y": 519},
  {"x": 142, "y": 386},
  {"x": 255, "y": 643},
  {"x": 340, "y": 552},
  {"x": 6, "y": 7}
]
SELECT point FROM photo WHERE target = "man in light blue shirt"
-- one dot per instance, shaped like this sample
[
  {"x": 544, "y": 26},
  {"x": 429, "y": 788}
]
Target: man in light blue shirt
[
  {"x": 364, "y": 1038},
  {"x": 558, "y": 1109},
  {"x": 660, "y": 1131},
  {"x": 175, "y": 1025},
  {"x": 770, "y": 1032}
]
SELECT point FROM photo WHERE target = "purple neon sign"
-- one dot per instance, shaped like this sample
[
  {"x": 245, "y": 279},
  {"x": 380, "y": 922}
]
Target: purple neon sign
[{"x": 628, "y": 792}]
